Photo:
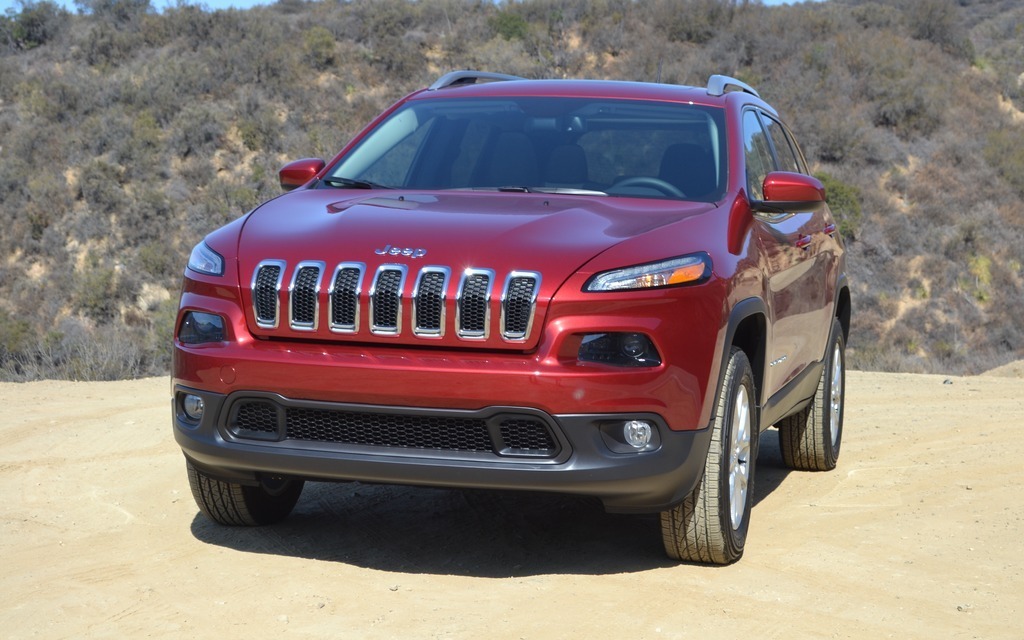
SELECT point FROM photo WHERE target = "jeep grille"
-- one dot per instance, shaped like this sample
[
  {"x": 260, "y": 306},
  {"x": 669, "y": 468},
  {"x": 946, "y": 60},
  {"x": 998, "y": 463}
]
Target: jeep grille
[
  {"x": 427, "y": 291},
  {"x": 505, "y": 434}
]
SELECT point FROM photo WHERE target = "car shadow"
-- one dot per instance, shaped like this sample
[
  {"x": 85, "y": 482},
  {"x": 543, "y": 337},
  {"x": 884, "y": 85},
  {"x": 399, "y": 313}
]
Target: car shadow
[{"x": 492, "y": 534}]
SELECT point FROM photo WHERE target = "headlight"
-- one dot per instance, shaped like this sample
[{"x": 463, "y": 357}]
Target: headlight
[
  {"x": 691, "y": 269},
  {"x": 206, "y": 260}
]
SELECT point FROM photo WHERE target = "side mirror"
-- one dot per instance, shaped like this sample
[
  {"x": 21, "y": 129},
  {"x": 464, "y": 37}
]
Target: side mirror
[
  {"x": 297, "y": 173},
  {"x": 786, "y": 192}
]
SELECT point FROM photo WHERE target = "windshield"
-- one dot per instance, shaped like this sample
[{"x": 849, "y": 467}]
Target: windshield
[{"x": 575, "y": 145}]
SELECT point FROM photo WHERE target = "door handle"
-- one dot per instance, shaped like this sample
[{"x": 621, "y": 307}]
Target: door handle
[
  {"x": 830, "y": 229},
  {"x": 803, "y": 242}
]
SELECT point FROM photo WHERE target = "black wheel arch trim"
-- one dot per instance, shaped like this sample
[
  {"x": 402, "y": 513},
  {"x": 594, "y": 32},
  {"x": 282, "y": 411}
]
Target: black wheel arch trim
[{"x": 745, "y": 311}]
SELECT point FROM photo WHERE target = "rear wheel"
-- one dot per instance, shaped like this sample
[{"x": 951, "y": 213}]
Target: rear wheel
[
  {"x": 810, "y": 440},
  {"x": 710, "y": 525},
  {"x": 237, "y": 504}
]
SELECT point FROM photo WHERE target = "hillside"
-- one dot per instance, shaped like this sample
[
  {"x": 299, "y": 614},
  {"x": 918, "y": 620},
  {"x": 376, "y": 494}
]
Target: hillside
[{"x": 126, "y": 135}]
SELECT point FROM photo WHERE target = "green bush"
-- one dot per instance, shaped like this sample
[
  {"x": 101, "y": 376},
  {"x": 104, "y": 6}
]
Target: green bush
[
  {"x": 1004, "y": 150},
  {"x": 845, "y": 202}
]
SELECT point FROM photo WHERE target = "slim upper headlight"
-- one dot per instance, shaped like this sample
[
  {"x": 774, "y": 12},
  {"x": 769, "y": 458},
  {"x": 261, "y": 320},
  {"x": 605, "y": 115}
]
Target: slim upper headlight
[
  {"x": 691, "y": 269},
  {"x": 206, "y": 260}
]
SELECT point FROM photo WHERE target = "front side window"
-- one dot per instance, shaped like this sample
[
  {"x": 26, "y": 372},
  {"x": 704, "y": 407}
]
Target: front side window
[
  {"x": 758, "y": 154},
  {"x": 784, "y": 151},
  {"x": 585, "y": 146}
]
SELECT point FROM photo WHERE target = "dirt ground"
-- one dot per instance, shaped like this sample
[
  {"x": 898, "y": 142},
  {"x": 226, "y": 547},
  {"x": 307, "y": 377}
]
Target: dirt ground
[{"x": 918, "y": 533}]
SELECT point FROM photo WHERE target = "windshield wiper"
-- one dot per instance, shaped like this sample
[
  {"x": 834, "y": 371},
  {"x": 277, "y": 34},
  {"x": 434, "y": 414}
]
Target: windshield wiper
[
  {"x": 349, "y": 183},
  {"x": 569, "y": 191},
  {"x": 566, "y": 191}
]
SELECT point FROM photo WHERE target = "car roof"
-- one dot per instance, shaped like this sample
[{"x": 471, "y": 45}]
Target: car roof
[{"x": 716, "y": 94}]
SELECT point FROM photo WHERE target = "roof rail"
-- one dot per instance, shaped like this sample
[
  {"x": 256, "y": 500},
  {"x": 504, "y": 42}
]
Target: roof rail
[
  {"x": 719, "y": 85},
  {"x": 457, "y": 78}
]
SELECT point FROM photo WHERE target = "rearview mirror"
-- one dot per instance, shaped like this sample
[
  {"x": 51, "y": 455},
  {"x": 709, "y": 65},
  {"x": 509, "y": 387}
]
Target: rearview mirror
[
  {"x": 297, "y": 173},
  {"x": 786, "y": 192}
]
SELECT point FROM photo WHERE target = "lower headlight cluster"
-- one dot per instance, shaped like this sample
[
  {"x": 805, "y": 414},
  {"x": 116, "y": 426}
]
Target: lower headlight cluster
[
  {"x": 199, "y": 328},
  {"x": 619, "y": 349}
]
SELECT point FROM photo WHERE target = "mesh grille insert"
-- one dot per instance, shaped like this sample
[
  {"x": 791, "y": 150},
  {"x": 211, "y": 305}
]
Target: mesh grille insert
[
  {"x": 345, "y": 299},
  {"x": 256, "y": 416},
  {"x": 387, "y": 300},
  {"x": 304, "y": 293},
  {"x": 519, "y": 305},
  {"x": 524, "y": 436},
  {"x": 264, "y": 295},
  {"x": 430, "y": 302},
  {"x": 473, "y": 305},
  {"x": 386, "y": 430}
]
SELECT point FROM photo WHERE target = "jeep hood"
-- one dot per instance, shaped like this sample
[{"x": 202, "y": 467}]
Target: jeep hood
[{"x": 553, "y": 235}]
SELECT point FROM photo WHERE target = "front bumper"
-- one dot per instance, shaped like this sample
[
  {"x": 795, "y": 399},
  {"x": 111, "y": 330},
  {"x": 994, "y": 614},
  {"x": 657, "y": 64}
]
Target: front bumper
[{"x": 584, "y": 454}]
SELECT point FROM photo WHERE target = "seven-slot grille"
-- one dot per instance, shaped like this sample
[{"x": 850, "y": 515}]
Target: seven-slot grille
[{"x": 387, "y": 288}]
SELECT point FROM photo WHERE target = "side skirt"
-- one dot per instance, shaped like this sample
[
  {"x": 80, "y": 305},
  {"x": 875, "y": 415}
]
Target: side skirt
[{"x": 792, "y": 398}]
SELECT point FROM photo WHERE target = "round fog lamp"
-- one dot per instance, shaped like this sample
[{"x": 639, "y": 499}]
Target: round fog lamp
[
  {"x": 633, "y": 345},
  {"x": 193, "y": 406},
  {"x": 637, "y": 433}
]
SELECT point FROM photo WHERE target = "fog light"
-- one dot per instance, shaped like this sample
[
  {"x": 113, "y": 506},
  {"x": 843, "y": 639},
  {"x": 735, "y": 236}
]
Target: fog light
[
  {"x": 193, "y": 406},
  {"x": 633, "y": 345},
  {"x": 200, "y": 328},
  {"x": 637, "y": 433},
  {"x": 619, "y": 349}
]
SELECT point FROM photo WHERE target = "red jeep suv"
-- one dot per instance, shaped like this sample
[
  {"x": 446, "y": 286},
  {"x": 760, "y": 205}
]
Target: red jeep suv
[{"x": 597, "y": 288}]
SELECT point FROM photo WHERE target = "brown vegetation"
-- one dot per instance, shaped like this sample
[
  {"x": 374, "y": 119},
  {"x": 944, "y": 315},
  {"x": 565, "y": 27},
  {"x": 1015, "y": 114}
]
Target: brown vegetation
[{"x": 126, "y": 135}]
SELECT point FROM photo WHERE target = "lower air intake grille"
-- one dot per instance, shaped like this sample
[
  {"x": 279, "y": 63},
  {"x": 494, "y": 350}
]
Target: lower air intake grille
[
  {"x": 506, "y": 435},
  {"x": 384, "y": 430}
]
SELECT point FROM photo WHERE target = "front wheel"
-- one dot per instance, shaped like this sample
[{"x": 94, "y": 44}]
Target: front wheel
[
  {"x": 710, "y": 525},
  {"x": 242, "y": 505},
  {"x": 810, "y": 439}
]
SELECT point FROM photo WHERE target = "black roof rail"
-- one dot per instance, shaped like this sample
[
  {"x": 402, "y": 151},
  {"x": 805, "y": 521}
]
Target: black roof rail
[
  {"x": 718, "y": 85},
  {"x": 466, "y": 76}
]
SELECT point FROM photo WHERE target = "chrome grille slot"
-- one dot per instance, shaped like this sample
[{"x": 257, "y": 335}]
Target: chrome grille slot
[
  {"x": 518, "y": 303},
  {"x": 345, "y": 289},
  {"x": 473, "y": 307},
  {"x": 266, "y": 285},
  {"x": 386, "y": 300},
  {"x": 303, "y": 296},
  {"x": 428, "y": 299}
]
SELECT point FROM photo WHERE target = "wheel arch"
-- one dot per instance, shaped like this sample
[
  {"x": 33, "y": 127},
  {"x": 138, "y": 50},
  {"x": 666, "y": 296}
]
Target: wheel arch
[
  {"x": 843, "y": 306},
  {"x": 748, "y": 330}
]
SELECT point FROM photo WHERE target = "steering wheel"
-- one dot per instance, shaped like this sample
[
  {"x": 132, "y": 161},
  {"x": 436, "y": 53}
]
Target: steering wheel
[{"x": 651, "y": 182}]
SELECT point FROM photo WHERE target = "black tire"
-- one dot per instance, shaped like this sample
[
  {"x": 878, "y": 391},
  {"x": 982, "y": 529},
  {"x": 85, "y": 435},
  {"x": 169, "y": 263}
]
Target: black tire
[
  {"x": 242, "y": 505},
  {"x": 810, "y": 440},
  {"x": 710, "y": 525}
]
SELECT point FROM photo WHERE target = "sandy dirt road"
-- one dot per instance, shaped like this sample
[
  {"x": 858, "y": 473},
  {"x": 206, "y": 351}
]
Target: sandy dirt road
[{"x": 919, "y": 533}]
